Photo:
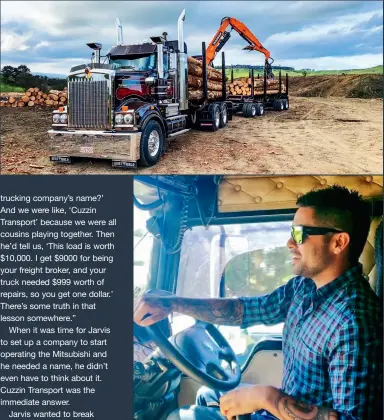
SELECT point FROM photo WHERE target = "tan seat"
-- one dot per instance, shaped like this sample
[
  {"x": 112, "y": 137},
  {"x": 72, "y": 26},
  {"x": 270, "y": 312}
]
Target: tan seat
[{"x": 368, "y": 255}]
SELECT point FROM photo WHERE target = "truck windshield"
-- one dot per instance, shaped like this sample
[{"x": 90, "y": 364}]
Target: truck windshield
[
  {"x": 240, "y": 259},
  {"x": 138, "y": 63}
]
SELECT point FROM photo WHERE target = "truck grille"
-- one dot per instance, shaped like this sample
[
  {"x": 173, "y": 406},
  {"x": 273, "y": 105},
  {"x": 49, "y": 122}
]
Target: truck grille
[{"x": 88, "y": 104}]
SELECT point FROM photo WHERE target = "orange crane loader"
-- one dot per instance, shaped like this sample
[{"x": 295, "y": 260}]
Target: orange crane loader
[{"x": 222, "y": 36}]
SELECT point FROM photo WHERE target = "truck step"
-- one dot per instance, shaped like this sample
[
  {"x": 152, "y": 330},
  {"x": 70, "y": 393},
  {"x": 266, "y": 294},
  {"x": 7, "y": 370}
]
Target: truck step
[{"x": 179, "y": 132}]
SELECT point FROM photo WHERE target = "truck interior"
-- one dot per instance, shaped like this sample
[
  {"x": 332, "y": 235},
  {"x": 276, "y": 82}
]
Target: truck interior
[{"x": 220, "y": 236}]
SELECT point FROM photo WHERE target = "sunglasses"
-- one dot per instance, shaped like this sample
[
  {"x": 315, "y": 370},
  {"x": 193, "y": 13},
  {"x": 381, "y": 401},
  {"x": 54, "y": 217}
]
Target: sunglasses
[{"x": 299, "y": 233}]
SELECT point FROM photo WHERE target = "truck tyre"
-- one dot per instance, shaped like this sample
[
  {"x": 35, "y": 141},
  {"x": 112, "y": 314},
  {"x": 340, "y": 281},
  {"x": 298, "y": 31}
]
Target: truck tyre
[
  {"x": 260, "y": 109},
  {"x": 223, "y": 115},
  {"x": 278, "y": 105},
  {"x": 244, "y": 110},
  {"x": 286, "y": 104},
  {"x": 215, "y": 115},
  {"x": 151, "y": 144},
  {"x": 250, "y": 110}
]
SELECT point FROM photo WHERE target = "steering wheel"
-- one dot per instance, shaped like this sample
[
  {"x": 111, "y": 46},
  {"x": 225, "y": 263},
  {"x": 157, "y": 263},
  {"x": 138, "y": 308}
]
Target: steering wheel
[{"x": 202, "y": 353}]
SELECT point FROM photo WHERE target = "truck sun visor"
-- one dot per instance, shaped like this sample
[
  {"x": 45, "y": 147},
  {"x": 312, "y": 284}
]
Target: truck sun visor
[{"x": 124, "y": 50}]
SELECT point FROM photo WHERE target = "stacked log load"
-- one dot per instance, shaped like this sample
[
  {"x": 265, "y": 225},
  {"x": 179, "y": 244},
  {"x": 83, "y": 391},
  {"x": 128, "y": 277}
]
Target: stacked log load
[
  {"x": 242, "y": 86},
  {"x": 195, "y": 80},
  {"x": 35, "y": 97}
]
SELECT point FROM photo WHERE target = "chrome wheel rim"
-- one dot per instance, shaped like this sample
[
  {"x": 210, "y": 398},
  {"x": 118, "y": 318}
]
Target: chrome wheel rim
[
  {"x": 224, "y": 114},
  {"x": 261, "y": 110},
  {"x": 253, "y": 110},
  {"x": 153, "y": 143},
  {"x": 217, "y": 117},
  {"x": 194, "y": 117}
]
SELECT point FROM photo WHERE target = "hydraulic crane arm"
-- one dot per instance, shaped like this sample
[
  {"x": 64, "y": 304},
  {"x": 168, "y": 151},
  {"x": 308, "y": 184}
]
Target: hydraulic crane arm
[{"x": 221, "y": 37}]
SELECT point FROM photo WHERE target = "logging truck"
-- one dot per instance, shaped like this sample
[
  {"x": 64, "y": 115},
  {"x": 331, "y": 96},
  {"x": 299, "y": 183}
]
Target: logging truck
[{"x": 126, "y": 107}]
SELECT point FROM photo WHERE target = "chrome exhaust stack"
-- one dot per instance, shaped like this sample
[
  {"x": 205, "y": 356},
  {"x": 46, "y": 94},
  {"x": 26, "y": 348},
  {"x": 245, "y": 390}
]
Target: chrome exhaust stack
[
  {"x": 182, "y": 63},
  {"x": 160, "y": 66},
  {"x": 119, "y": 29}
]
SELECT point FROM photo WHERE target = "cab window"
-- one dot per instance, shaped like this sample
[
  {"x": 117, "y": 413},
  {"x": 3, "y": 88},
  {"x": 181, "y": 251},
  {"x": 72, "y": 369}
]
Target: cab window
[{"x": 143, "y": 243}]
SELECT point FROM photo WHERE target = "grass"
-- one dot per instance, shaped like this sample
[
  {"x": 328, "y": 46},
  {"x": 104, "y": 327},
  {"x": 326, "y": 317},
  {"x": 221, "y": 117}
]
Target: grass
[
  {"x": 4, "y": 88},
  {"x": 244, "y": 72}
]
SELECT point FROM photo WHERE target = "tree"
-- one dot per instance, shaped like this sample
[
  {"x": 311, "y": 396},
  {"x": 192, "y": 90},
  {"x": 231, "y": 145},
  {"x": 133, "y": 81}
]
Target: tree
[
  {"x": 23, "y": 69},
  {"x": 13, "y": 74},
  {"x": 8, "y": 74},
  {"x": 304, "y": 73}
]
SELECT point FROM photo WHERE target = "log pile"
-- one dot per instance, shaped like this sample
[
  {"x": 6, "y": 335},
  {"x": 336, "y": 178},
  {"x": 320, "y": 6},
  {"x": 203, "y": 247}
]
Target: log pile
[
  {"x": 242, "y": 86},
  {"x": 195, "y": 80},
  {"x": 36, "y": 97}
]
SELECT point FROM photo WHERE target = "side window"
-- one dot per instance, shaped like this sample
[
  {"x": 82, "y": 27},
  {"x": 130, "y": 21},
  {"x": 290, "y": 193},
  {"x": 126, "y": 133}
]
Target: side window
[
  {"x": 233, "y": 261},
  {"x": 257, "y": 272}
]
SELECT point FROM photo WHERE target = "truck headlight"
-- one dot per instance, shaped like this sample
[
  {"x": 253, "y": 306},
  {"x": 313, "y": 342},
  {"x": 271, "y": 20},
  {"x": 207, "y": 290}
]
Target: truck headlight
[
  {"x": 128, "y": 118},
  {"x": 63, "y": 118},
  {"x": 56, "y": 118},
  {"x": 119, "y": 119}
]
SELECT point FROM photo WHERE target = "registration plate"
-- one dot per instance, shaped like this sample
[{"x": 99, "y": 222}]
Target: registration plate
[
  {"x": 86, "y": 149},
  {"x": 62, "y": 159},
  {"x": 123, "y": 164}
]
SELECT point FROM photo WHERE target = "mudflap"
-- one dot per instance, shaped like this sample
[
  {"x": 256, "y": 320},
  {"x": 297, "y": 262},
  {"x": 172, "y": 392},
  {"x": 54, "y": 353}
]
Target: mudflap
[{"x": 230, "y": 110}]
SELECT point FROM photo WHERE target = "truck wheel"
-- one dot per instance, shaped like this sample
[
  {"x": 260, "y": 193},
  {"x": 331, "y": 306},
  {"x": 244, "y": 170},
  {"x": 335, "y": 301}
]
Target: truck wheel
[
  {"x": 215, "y": 114},
  {"x": 278, "y": 105},
  {"x": 151, "y": 144},
  {"x": 286, "y": 103},
  {"x": 260, "y": 109},
  {"x": 223, "y": 115},
  {"x": 250, "y": 110},
  {"x": 244, "y": 110}
]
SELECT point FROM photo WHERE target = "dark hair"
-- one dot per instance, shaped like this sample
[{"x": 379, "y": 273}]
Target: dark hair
[{"x": 343, "y": 209}]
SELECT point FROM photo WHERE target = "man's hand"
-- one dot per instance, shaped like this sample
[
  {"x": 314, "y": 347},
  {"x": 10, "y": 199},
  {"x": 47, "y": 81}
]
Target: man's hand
[
  {"x": 153, "y": 307},
  {"x": 244, "y": 400}
]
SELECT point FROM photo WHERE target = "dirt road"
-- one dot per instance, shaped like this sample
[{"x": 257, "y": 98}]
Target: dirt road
[{"x": 316, "y": 135}]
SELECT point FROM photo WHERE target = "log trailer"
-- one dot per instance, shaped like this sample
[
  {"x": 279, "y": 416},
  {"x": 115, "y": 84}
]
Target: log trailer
[
  {"x": 255, "y": 103},
  {"x": 123, "y": 110}
]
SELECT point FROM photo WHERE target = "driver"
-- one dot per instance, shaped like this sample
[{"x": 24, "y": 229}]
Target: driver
[{"x": 332, "y": 339}]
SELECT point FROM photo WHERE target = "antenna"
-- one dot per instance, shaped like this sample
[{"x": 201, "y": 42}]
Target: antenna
[{"x": 119, "y": 32}]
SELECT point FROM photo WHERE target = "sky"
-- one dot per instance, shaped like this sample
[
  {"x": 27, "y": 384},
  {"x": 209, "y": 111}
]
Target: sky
[{"x": 51, "y": 36}]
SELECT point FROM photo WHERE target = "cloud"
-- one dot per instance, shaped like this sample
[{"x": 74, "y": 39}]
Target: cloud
[
  {"x": 335, "y": 63},
  {"x": 56, "y": 32},
  {"x": 11, "y": 41},
  {"x": 342, "y": 26},
  {"x": 42, "y": 44}
]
